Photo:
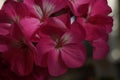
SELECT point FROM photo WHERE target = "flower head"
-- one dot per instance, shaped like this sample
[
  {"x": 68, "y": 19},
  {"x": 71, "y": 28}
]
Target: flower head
[{"x": 58, "y": 51}]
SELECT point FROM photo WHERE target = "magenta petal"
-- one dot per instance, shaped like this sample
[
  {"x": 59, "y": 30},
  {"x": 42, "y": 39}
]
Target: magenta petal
[
  {"x": 78, "y": 31},
  {"x": 54, "y": 27},
  {"x": 55, "y": 65},
  {"x": 30, "y": 26},
  {"x": 4, "y": 18},
  {"x": 105, "y": 21},
  {"x": 53, "y": 4},
  {"x": 29, "y": 2},
  {"x": 43, "y": 47},
  {"x": 100, "y": 7},
  {"x": 4, "y": 28},
  {"x": 15, "y": 32},
  {"x": 56, "y": 22},
  {"x": 3, "y": 48},
  {"x": 15, "y": 12},
  {"x": 9, "y": 9},
  {"x": 31, "y": 6},
  {"x": 74, "y": 55},
  {"x": 65, "y": 18},
  {"x": 101, "y": 49},
  {"x": 76, "y": 5},
  {"x": 20, "y": 61}
]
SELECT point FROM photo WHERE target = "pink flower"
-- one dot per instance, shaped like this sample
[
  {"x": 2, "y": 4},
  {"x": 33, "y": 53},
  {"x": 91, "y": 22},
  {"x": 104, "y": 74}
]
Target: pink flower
[
  {"x": 97, "y": 25},
  {"x": 61, "y": 48},
  {"x": 43, "y": 9},
  {"x": 20, "y": 52},
  {"x": 18, "y": 13},
  {"x": 89, "y": 7},
  {"x": 100, "y": 50}
]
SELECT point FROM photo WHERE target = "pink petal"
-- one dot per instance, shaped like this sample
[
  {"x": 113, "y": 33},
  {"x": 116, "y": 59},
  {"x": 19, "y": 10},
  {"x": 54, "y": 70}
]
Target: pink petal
[
  {"x": 73, "y": 55},
  {"x": 54, "y": 27},
  {"x": 93, "y": 31},
  {"x": 53, "y": 3},
  {"x": 78, "y": 31},
  {"x": 105, "y": 21},
  {"x": 20, "y": 62},
  {"x": 75, "y": 5},
  {"x": 29, "y": 2},
  {"x": 30, "y": 26},
  {"x": 101, "y": 49},
  {"x": 83, "y": 10},
  {"x": 4, "y": 17},
  {"x": 8, "y": 8},
  {"x": 3, "y": 48},
  {"x": 43, "y": 47},
  {"x": 15, "y": 32},
  {"x": 100, "y": 7},
  {"x": 65, "y": 18},
  {"x": 55, "y": 65},
  {"x": 31, "y": 6},
  {"x": 40, "y": 74},
  {"x": 15, "y": 12},
  {"x": 4, "y": 28}
]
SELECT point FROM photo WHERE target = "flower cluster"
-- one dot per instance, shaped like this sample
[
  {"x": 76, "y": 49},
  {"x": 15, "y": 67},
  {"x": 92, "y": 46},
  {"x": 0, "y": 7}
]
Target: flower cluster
[{"x": 43, "y": 38}]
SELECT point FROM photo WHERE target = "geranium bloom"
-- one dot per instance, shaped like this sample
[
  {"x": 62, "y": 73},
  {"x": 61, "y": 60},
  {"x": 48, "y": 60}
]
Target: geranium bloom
[
  {"x": 39, "y": 38},
  {"x": 61, "y": 49},
  {"x": 96, "y": 23},
  {"x": 19, "y": 52},
  {"x": 16, "y": 12},
  {"x": 94, "y": 12},
  {"x": 44, "y": 8}
]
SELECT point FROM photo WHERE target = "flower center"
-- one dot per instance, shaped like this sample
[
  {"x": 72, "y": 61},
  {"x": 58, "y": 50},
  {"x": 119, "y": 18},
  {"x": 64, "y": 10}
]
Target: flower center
[
  {"x": 21, "y": 45},
  {"x": 59, "y": 44}
]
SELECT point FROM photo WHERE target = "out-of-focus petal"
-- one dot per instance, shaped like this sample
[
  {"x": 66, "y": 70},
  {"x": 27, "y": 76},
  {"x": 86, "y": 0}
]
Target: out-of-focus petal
[
  {"x": 105, "y": 21},
  {"x": 20, "y": 62},
  {"x": 3, "y": 48},
  {"x": 100, "y": 49}
]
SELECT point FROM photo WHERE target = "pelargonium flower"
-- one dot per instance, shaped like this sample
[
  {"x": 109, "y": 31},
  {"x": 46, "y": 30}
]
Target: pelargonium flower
[
  {"x": 19, "y": 52},
  {"x": 18, "y": 13},
  {"x": 61, "y": 48},
  {"x": 94, "y": 12},
  {"x": 96, "y": 23},
  {"x": 43, "y": 9}
]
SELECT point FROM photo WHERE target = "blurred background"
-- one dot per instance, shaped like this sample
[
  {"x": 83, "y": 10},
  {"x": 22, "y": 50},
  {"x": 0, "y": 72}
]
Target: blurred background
[{"x": 107, "y": 69}]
